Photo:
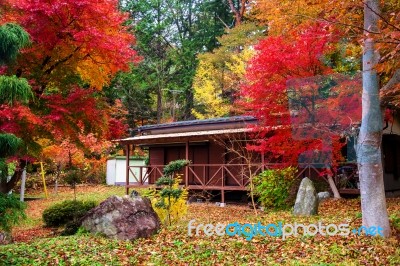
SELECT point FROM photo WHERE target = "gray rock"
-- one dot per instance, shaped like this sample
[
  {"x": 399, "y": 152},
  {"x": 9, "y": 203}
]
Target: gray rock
[
  {"x": 306, "y": 200},
  {"x": 323, "y": 196},
  {"x": 123, "y": 218}
]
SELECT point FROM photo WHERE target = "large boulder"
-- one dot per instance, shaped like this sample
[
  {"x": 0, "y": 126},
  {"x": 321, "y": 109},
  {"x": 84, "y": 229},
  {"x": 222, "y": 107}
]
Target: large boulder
[
  {"x": 123, "y": 218},
  {"x": 307, "y": 199}
]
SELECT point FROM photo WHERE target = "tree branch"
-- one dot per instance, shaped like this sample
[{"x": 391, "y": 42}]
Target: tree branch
[
  {"x": 382, "y": 18},
  {"x": 58, "y": 62},
  {"x": 236, "y": 12},
  {"x": 243, "y": 7},
  {"x": 393, "y": 81}
]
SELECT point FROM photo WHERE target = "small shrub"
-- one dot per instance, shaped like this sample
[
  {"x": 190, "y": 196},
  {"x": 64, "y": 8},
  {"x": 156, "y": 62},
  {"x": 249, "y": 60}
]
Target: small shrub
[
  {"x": 12, "y": 211},
  {"x": 170, "y": 202},
  {"x": 177, "y": 206},
  {"x": 82, "y": 232},
  {"x": 66, "y": 212},
  {"x": 395, "y": 220},
  {"x": 274, "y": 188},
  {"x": 72, "y": 178}
]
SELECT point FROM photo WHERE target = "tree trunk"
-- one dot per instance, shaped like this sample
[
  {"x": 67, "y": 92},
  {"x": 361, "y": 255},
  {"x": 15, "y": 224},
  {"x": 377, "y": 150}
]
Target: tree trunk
[
  {"x": 7, "y": 185},
  {"x": 159, "y": 104},
  {"x": 188, "y": 105},
  {"x": 333, "y": 187},
  {"x": 369, "y": 158},
  {"x": 23, "y": 181}
]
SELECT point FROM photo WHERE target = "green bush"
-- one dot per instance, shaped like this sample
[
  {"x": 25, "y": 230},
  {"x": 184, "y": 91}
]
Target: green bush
[
  {"x": 66, "y": 212},
  {"x": 12, "y": 211},
  {"x": 274, "y": 188},
  {"x": 174, "y": 167},
  {"x": 395, "y": 220}
]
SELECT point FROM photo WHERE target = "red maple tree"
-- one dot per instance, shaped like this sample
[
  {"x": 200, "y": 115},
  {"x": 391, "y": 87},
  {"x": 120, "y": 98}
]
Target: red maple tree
[
  {"x": 71, "y": 38},
  {"x": 76, "y": 48},
  {"x": 304, "y": 108}
]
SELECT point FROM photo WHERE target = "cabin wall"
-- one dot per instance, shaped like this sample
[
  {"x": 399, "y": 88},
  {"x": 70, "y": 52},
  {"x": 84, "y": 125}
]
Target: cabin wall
[
  {"x": 391, "y": 155},
  {"x": 216, "y": 157},
  {"x": 234, "y": 159},
  {"x": 391, "y": 161},
  {"x": 199, "y": 156},
  {"x": 156, "y": 157},
  {"x": 207, "y": 160}
]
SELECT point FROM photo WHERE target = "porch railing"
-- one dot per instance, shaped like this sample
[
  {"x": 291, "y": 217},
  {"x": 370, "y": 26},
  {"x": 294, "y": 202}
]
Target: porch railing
[{"x": 236, "y": 176}]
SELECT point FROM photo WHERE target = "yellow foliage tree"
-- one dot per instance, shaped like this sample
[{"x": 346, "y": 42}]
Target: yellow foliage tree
[
  {"x": 208, "y": 92},
  {"x": 220, "y": 72}
]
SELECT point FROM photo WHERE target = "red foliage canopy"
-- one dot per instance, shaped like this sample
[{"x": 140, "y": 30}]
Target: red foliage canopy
[
  {"x": 85, "y": 38},
  {"x": 302, "y": 105},
  {"x": 77, "y": 46}
]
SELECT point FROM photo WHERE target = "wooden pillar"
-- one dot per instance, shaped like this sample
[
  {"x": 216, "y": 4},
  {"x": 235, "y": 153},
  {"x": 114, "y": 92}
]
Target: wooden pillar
[
  {"x": 187, "y": 167},
  {"x": 127, "y": 169},
  {"x": 223, "y": 177}
]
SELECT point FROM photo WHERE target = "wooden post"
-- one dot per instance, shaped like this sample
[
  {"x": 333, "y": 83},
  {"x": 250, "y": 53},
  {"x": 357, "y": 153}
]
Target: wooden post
[
  {"x": 141, "y": 175},
  {"x": 43, "y": 180},
  {"x": 127, "y": 168},
  {"x": 223, "y": 179},
  {"x": 187, "y": 166}
]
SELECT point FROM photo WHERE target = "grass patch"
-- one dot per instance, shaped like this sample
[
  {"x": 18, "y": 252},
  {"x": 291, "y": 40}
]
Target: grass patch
[
  {"x": 173, "y": 246},
  {"x": 85, "y": 193}
]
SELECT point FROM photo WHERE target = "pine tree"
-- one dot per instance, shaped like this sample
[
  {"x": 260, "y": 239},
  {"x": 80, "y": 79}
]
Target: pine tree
[{"x": 12, "y": 89}]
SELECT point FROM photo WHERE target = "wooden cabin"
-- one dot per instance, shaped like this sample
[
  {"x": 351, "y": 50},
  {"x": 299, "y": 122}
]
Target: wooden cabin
[
  {"x": 203, "y": 142},
  {"x": 220, "y": 162}
]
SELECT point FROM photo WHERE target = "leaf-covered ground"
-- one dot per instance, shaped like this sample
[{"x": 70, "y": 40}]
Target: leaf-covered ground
[{"x": 172, "y": 246}]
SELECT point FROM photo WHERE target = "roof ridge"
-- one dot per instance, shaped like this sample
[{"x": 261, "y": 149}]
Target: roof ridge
[{"x": 198, "y": 122}]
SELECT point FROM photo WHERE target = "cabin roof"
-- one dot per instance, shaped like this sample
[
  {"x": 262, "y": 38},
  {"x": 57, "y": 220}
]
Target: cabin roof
[
  {"x": 197, "y": 125},
  {"x": 183, "y": 136}
]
